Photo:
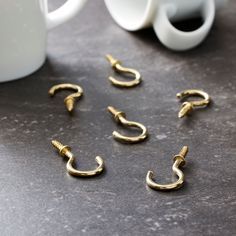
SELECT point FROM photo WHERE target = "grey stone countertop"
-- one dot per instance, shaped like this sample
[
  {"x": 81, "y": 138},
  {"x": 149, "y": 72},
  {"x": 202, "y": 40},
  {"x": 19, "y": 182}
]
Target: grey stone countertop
[{"x": 38, "y": 197}]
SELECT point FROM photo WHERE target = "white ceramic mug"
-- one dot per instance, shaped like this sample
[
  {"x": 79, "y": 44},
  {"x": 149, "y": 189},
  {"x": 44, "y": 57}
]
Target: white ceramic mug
[
  {"x": 133, "y": 15},
  {"x": 23, "y": 32}
]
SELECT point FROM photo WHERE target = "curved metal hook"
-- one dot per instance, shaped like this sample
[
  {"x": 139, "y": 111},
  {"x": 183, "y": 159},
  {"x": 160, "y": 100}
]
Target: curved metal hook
[
  {"x": 69, "y": 100},
  {"x": 116, "y": 65},
  {"x": 179, "y": 160},
  {"x": 120, "y": 117},
  {"x": 66, "y": 151},
  {"x": 188, "y": 106}
]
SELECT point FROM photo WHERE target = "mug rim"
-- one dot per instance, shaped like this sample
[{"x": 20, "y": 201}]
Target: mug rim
[{"x": 138, "y": 22}]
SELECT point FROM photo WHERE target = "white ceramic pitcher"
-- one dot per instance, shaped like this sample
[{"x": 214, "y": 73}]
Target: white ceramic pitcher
[
  {"x": 137, "y": 14},
  {"x": 23, "y": 32}
]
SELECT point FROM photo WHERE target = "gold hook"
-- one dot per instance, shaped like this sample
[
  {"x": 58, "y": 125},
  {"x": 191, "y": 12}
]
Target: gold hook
[
  {"x": 116, "y": 65},
  {"x": 179, "y": 160},
  {"x": 120, "y": 118},
  {"x": 69, "y": 100},
  {"x": 65, "y": 150},
  {"x": 188, "y": 106}
]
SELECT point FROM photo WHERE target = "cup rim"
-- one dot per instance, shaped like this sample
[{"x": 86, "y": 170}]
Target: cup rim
[{"x": 127, "y": 23}]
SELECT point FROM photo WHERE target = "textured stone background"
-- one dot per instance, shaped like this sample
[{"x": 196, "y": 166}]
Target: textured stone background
[{"x": 37, "y": 197}]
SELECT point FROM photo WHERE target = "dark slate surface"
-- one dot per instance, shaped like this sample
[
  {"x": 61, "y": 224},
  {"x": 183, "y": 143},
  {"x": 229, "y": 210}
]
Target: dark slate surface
[{"x": 37, "y": 197}]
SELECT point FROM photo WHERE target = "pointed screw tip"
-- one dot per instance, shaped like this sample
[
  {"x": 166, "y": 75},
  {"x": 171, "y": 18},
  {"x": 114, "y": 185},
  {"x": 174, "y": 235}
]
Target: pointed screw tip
[
  {"x": 70, "y": 108},
  {"x": 184, "y": 151},
  {"x": 181, "y": 115},
  {"x": 70, "y": 105},
  {"x": 112, "y": 110},
  {"x": 110, "y": 107},
  {"x": 57, "y": 144},
  {"x": 110, "y": 58},
  {"x": 54, "y": 142}
]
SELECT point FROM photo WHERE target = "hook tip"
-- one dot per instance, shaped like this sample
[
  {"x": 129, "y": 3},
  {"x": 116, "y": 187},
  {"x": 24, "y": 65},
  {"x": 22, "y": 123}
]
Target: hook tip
[
  {"x": 178, "y": 95},
  {"x": 99, "y": 160},
  {"x": 51, "y": 92},
  {"x": 150, "y": 174}
]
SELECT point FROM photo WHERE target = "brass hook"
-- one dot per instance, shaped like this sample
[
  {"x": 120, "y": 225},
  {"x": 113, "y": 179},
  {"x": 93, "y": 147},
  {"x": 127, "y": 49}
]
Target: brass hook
[
  {"x": 179, "y": 160},
  {"x": 188, "y": 106},
  {"x": 116, "y": 65},
  {"x": 120, "y": 118},
  {"x": 65, "y": 150},
  {"x": 69, "y": 100}
]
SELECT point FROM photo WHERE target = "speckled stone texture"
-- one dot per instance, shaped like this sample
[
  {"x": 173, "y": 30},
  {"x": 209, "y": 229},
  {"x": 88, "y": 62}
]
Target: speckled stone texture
[{"x": 38, "y": 197}]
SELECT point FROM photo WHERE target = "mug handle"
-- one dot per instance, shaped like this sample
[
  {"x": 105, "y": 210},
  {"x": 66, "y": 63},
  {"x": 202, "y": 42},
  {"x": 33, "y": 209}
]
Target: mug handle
[
  {"x": 179, "y": 40},
  {"x": 64, "y": 13}
]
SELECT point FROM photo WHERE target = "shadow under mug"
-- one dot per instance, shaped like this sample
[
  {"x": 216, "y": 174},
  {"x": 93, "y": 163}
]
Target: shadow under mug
[
  {"x": 133, "y": 15},
  {"x": 23, "y": 28}
]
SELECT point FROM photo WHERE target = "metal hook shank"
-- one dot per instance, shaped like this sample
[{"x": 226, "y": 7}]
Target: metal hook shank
[
  {"x": 188, "y": 106},
  {"x": 120, "y": 117},
  {"x": 66, "y": 151},
  {"x": 116, "y": 65},
  {"x": 178, "y": 161},
  {"x": 69, "y": 100}
]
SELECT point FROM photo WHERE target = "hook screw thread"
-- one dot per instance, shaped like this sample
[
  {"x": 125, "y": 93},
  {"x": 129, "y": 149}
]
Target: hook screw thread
[
  {"x": 63, "y": 149},
  {"x": 181, "y": 156},
  {"x": 184, "y": 151},
  {"x": 112, "y": 60},
  {"x": 116, "y": 113}
]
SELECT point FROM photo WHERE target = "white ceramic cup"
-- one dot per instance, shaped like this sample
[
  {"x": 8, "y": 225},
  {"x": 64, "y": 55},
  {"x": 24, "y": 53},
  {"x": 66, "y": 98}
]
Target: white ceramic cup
[
  {"x": 23, "y": 32},
  {"x": 133, "y": 15}
]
